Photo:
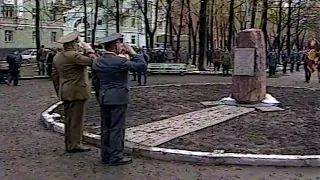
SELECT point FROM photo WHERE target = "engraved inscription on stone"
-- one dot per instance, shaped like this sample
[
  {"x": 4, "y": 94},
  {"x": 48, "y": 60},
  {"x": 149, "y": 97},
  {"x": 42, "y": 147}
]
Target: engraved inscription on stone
[
  {"x": 244, "y": 61},
  {"x": 156, "y": 133}
]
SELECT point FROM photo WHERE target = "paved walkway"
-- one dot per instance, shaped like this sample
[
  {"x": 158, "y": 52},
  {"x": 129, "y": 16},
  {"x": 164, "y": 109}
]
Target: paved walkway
[
  {"x": 159, "y": 132},
  {"x": 29, "y": 152}
]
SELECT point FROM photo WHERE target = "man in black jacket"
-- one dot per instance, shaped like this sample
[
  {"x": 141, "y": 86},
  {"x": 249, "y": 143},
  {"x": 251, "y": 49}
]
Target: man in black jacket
[{"x": 14, "y": 61}]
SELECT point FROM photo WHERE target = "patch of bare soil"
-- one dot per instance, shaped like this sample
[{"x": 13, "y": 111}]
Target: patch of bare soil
[
  {"x": 154, "y": 104},
  {"x": 293, "y": 131}
]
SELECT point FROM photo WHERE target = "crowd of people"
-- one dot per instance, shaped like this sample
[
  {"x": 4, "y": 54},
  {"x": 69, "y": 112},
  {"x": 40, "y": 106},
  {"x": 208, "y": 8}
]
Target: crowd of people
[{"x": 292, "y": 61}]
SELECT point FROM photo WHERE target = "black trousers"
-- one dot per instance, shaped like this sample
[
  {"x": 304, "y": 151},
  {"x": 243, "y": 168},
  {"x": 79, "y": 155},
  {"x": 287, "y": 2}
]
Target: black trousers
[
  {"x": 216, "y": 66},
  {"x": 41, "y": 68},
  {"x": 49, "y": 69},
  {"x": 285, "y": 64},
  {"x": 145, "y": 77},
  {"x": 113, "y": 119},
  {"x": 134, "y": 76},
  {"x": 291, "y": 66},
  {"x": 14, "y": 76},
  {"x": 272, "y": 70},
  {"x": 298, "y": 66},
  {"x": 307, "y": 74},
  {"x": 225, "y": 69}
]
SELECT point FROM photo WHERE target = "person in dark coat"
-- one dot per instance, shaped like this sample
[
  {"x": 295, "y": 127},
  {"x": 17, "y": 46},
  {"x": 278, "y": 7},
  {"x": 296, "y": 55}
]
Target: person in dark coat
[
  {"x": 111, "y": 73},
  {"x": 14, "y": 60},
  {"x": 50, "y": 62},
  {"x": 145, "y": 73}
]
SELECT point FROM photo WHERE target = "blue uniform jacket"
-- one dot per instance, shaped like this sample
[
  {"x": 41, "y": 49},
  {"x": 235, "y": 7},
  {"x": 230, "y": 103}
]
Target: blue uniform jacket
[{"x": 111, "y": 81}]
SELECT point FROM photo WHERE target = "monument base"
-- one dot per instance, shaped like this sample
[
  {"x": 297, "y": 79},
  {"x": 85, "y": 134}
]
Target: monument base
[{"x": 268, "y": 101}]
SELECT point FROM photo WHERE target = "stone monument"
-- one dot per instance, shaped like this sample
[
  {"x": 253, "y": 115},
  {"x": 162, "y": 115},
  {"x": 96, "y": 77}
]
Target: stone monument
[{"x": 249, "y": 76}]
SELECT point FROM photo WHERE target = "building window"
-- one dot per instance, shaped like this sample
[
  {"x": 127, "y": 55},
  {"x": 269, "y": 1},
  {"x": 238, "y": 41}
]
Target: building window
[
  {"x": 53, "y": 36},
  {"x": 99, "y": 22},
  {"x": 133, "y": 22},
  {"x": 34, "y": 11},
  {"x": 33, "y": 36},
  {"x": 7, "y": 10},
  {"x": 133, "y": 39},
  {"x": 8, "y": 36}
]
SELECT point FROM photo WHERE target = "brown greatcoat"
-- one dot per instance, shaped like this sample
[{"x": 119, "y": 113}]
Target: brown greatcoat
[{"x": 70, "y": 76}]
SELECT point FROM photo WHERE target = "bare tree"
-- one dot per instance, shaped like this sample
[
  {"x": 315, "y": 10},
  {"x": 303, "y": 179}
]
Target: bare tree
[
  {"x": 231, "y": 23},
  {"x": 180, "y": 28},
  {"x": 145, "y": 11},
  {"x": 96, "y": 12},
  {"x": 253, "y": 16},
  {"x": 37, "y": 23},
  {"x": 202, "y": 32},
  {"x": 85, "y": 20}
]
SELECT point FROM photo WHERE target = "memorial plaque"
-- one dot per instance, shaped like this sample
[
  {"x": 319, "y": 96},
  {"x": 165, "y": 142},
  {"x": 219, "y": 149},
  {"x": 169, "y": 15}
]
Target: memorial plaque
[{"x": 244, "y": 61}]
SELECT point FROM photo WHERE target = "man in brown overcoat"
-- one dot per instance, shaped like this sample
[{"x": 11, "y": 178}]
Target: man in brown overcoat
[{"x": 71, "y": 82}]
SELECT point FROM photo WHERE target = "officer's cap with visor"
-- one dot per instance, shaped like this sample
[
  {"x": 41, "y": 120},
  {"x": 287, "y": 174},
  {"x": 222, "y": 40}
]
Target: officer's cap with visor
[
  {"x": 113, "y": 38},
  {"x": 71, "y": 37}
]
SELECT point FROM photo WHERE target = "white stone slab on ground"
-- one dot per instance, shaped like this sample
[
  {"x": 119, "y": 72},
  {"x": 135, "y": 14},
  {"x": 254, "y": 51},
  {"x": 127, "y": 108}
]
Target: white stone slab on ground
[
  {"x": 269, "y": 109},
  {"x": 211, "y": 103},
  {"x": 156, "y": 133}
]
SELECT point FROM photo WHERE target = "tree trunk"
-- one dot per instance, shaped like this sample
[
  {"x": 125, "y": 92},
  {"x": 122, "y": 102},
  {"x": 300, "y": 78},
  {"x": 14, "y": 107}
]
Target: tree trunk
[
  {"x": 289, "y": 27},
  {"x": 95, "y": 23},
  {"x": 279, "y": 28},
  {"x": 202, "y": 32},
  {"x": 37, "y": 23},
  {"x": 231, "y": 22},
  {"x": 191, "y": 37},
  {"x": 180, "y": 29},
  {"x": 211, "y": 25},
  {"x": 166, "y": 30},
  {"x": 297, "y": 28},
  {"x": 265, "y": 21},
  {"x": 195, "y": 52},
  {"x": 118, "y": 15},
  {"x": 146, "y": 22},
  {"x": 253, "y": 17},
  {"x": 85, "y": 20}
]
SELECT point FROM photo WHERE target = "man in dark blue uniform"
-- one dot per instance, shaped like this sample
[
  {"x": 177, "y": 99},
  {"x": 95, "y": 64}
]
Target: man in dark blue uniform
[{"x": 111, "y": 84}]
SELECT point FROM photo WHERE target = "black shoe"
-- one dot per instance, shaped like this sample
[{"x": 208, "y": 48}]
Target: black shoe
[
  {"x": 79, "y": 149},
  {"x": 123, "y": 161}
]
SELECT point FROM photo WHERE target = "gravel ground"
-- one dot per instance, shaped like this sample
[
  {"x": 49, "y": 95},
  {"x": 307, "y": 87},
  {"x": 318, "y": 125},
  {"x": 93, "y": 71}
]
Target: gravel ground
[{"x": 29, "y": 152}]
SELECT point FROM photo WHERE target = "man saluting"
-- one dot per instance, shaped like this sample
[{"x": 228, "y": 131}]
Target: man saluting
[
  {"x": 71, "y": 82},
  {"x": 111, "y": 84}
]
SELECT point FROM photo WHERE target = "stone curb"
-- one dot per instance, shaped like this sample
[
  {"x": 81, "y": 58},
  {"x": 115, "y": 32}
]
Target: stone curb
[
  {"x": 212, "y": 158},
  {"x": 34, "y": 77}
]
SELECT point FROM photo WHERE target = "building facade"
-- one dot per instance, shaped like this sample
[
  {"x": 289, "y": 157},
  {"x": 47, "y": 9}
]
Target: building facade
[
  {"x": 17, "y": 25},
  {"x": 131, "y": 21}
]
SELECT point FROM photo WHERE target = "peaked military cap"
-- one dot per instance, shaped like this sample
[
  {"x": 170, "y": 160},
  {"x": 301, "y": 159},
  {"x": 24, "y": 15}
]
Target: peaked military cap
[
  {"x": 69, "y": 37},
  {"x": 111, "y": 38}
]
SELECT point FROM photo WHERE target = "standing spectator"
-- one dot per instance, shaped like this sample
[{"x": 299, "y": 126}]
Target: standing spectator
[
  {"x": 217, "y": 60},
  {"x": 144, "y": 73},
  {"x": 14, "y": 60},
  {"x": 226, "y": 60},
  {"x": 285, "y": 59},
  {"x": 272, "y": 62},
  {"x": 184, "y": 56},
  {"x": 50, "y": 62},
  {"x": 293, "y": 60},
  {"x": 210, "y": 57},
  {"x": 41, "y": 64}
]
